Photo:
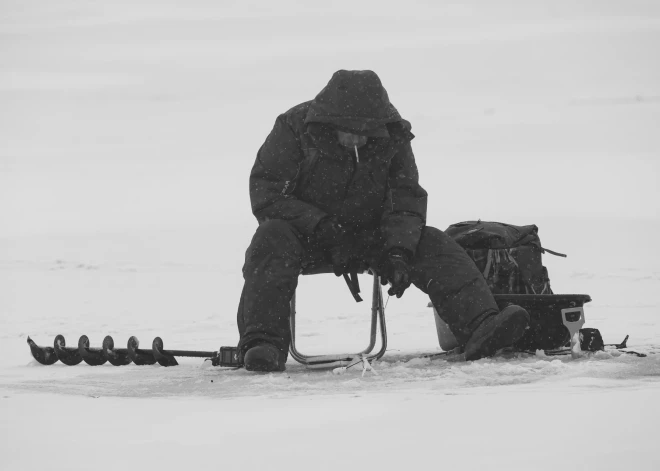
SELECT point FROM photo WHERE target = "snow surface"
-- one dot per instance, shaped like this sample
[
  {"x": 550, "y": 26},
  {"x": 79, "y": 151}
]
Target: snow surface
[{"x": 128, "y": 130}]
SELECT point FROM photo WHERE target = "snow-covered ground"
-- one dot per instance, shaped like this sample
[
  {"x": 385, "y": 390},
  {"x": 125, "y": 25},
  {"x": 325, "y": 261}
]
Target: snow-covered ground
[{"x": 127, "y": 131}]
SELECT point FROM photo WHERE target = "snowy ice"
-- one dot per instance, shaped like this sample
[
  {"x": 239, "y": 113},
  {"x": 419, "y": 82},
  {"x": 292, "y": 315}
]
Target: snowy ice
[{"x": 127, "y": 133}]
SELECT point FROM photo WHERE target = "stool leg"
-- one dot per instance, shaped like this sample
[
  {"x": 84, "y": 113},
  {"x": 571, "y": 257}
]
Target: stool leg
[
  {"x": 323, "y": 361},
  {"x": 378, "y": 310},
  {"x": 295, "y": 354}
]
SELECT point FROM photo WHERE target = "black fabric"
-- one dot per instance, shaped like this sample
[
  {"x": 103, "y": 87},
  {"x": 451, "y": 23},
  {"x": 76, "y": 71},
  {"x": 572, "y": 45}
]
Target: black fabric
[
  {"x": 302, "y": 174},
  {"x": 279, "y": 253},
  {"x": 493, "y": 235},
  {"x": 329, "y": 232},
  {"x": 354, "y": 101},
  {"x": 508, "y": 256}
]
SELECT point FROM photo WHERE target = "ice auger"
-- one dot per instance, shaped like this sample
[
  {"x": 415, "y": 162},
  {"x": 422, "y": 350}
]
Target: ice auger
[{"x": 226, "y": 356}]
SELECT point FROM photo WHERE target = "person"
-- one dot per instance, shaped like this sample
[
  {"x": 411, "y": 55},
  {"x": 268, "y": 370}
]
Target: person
[{"x": 336, "y": 183}]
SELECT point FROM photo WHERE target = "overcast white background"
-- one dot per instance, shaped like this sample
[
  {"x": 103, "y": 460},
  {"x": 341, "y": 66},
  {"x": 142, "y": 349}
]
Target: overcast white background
[{"x": 127, "y": 133}]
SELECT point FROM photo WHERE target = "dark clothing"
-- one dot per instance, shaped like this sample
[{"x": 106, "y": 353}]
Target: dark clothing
[
  {"x": 354, "y": 101},
  {"x": 302, "y": 175},
  {"x": 279, "y": 253}
]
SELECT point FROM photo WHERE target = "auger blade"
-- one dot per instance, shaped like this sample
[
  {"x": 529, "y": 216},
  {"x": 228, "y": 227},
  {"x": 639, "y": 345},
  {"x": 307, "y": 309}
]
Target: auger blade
[
  {"x": 67, "y": 355},
  {"x": 163, "y": 358},
  {"x": 44, "y": 355},
  {"x": 116, "y": 356},
  {"x": 139, "y": 356},
  {"x": 91, "y": 356}
]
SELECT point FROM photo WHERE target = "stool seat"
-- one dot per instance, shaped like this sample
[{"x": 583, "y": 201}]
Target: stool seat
[{"x": 344, "y": 359}]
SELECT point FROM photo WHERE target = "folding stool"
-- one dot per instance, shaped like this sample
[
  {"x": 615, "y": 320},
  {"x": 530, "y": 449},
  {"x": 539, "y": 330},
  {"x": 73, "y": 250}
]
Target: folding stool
[{"x": 344, "y": 359}]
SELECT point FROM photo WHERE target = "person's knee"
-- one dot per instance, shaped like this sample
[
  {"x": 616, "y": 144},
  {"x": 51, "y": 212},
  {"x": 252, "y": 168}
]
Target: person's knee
[
  {"x": 276, "y": 234},
  {"x": 432, "y": 240},
  {"x": 274, "y": 228},
  {"x": 437, "y": 247},
  {"x": 431, "y": 246},
  {"x": 430, "y": 231},
  {"x": 274, "y": 238}
]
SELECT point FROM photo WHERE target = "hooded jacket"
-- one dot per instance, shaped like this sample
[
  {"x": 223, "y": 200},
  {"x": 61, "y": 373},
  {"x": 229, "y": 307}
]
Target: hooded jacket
[{"x": 302, "y": 174}]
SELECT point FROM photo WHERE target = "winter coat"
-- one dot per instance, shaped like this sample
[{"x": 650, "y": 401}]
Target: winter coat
[{"x": 302, "y": 174}]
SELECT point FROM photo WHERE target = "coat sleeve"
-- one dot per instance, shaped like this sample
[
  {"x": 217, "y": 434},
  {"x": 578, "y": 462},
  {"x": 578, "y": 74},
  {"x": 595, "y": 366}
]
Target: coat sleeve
[
  {"x": 273, "y": 179},
  {"x": 405, "y": 205}
]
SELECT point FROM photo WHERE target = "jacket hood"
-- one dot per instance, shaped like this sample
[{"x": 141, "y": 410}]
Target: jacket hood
[{"x": 354, "y": 101}]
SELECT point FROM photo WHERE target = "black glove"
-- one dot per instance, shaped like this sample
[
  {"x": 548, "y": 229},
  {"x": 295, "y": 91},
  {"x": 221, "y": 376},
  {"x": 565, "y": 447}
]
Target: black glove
[{"x": 395, "y": 268}]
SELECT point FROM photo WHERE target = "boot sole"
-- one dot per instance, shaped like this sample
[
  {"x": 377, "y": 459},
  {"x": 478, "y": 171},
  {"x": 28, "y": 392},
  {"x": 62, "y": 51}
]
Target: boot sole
[{"x": 263, "y": 366}]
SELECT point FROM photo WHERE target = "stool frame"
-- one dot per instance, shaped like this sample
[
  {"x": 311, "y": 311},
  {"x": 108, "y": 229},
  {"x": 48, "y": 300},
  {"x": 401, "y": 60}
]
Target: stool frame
[{"x": 344, "y": 359}]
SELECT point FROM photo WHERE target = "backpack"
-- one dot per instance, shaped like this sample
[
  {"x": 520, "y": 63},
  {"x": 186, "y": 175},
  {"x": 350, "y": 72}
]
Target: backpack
[{"x": 509, "y": 257}]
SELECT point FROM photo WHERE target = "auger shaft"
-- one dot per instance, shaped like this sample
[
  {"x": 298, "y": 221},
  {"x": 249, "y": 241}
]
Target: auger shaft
[{"x": 188, "y": 353}]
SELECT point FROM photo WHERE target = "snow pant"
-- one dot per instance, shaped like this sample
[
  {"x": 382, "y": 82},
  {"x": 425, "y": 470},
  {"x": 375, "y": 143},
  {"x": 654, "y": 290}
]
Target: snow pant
[{"x": 278, "y": 254}]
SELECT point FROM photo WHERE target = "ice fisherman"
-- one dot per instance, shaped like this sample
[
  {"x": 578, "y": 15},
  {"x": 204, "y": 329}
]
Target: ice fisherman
[{"x": 336, "y": 183}]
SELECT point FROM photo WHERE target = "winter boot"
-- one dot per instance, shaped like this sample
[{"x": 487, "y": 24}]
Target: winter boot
[
  {"x": 497, "y": 331},
  {"x": 264, "y": 357}
]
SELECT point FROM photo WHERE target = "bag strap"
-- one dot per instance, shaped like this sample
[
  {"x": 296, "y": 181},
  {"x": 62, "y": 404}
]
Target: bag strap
[
  {"x": 553, "y": 252},
  {"x": 353, "y": 285}
]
